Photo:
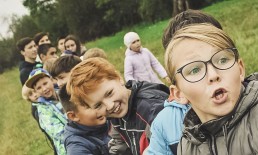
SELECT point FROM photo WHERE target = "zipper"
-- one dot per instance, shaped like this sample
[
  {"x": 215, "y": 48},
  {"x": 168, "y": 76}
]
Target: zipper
[{"x": 132, "y": 143}]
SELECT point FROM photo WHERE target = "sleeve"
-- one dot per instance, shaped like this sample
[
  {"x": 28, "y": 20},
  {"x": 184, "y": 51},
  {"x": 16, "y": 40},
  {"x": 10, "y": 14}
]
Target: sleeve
[
  {"x": 53, "y": 127},
  {"x": 158, "y": 144},
  {"x": 117, "y": 146},
  {"x": 155, "y": 64},
  {"x": 24, "y": 74},
  {"x": 128, "y": 69}
]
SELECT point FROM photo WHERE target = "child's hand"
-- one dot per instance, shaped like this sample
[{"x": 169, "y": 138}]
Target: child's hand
[{"x": 168, "y": 80}]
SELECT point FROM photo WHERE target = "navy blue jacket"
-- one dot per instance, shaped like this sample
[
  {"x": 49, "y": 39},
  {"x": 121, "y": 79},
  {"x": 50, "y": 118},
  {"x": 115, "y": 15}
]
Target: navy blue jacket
[{"x": 90, "y": 140}]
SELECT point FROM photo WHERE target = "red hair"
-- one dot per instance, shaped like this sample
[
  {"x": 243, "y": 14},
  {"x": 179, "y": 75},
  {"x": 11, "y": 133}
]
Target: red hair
[{"x": 87, "y": 75}]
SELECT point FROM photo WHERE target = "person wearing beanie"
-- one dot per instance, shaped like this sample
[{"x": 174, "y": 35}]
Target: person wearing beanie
[
  {"x": 140, "y": 64},
  {"x": 28, "y": 50}
]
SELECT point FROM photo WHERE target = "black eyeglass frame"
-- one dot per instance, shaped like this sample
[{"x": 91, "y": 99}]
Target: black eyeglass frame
[{"x": 206, "y": 62}]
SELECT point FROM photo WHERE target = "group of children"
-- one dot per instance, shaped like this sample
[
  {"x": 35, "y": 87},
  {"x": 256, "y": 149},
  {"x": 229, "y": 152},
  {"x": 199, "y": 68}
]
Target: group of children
[{"x": 209, "y": 108}]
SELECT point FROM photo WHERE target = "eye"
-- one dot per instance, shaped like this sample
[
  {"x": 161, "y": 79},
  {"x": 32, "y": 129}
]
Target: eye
[
  {"x": 98, "y": 106},
  {"x": 109, "y": 93},
  {"x": 223, "y": 60},
  {"x": 195, "y": 70}
]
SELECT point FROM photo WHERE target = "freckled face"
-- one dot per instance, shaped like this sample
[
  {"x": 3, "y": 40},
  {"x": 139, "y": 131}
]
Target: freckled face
[{"x": 113, "y": 95}]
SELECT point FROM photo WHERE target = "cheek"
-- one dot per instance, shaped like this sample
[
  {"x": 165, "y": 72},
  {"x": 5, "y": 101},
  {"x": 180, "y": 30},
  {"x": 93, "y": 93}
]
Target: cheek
[{"x": 194, "y": 92}]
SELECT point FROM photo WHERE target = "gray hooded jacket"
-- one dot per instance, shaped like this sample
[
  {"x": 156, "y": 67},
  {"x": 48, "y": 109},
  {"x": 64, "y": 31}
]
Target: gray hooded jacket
[{"x": 234, "y": 134}]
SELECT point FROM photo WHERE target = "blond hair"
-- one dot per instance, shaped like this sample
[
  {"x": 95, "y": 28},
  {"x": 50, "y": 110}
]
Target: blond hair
[
  {"x": 26, "y": 91},
  {"x": 95, "y": 52},
  {"x": 203, "y": 32},
  {"x": 87, "y": 75}
]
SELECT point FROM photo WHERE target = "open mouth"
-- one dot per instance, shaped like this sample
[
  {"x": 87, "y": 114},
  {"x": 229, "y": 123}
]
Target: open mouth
[
  {"x": 116, "y": 109},
  {"x": 220, "y": 96},
  {"x": 219, "y": 93}
]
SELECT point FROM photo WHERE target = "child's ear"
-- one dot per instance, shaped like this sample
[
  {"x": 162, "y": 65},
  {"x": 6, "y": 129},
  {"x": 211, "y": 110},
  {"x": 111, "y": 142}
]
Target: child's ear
[
  {"x": 42, "y": 57},
  {"x": 71, "y": 115},
  {"x": 177, "y": 95},
  {"x": 242, "y": 69},
  {"x": 22, "y": 52},
  {"x": 122, "y": 81}
]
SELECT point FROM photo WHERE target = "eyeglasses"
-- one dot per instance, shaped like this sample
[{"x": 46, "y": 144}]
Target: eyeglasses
[{"x": 197, "y": 70}]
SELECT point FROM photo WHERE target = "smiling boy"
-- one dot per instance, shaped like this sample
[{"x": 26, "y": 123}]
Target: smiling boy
[
  {"x": 87, "y": 130},
  {"x": 50, "y": 111},
  {"x": 132, "y": 107},
  {"x": 223, "y": 117}
]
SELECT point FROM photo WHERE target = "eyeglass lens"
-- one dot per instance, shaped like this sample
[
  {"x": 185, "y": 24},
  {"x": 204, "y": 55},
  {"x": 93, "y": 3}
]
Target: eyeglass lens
[{"x": 221, "y": 60}]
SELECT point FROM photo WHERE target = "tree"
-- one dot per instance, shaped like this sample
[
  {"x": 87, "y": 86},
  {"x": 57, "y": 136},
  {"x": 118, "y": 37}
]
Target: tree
[{"x": 180, "y": 6}]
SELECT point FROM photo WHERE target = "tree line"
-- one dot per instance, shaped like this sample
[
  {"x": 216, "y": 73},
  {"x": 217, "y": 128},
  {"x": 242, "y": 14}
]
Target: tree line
[{"x": 87, "y": 19}]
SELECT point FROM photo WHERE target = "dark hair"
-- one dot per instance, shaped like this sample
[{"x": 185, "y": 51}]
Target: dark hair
[
  {"x": 65, "y": 100},
  {"x": 43, "y": 48},
  {"x": 186, "y": 18},
  {"x": 64, "y": 64},
  {"x": 23, "y": 42},
  {"x": 38, "y": 36},
  {"x": 77, "y": 43}
]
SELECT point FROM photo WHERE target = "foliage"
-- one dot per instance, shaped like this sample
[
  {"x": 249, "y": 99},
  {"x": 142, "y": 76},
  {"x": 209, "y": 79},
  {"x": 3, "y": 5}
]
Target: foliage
[{"x": 155, "y": 10}]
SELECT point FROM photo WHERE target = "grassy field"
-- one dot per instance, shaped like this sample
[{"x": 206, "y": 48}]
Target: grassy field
[{"x": 19, "y": 133}]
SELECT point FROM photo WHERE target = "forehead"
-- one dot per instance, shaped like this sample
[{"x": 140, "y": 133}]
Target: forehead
[
  {"x": 191, "y": 50},
  {"x": 52, "y": 49},
  {"x": 44, "y": 37},
  {"x": 70, "y": 42},
  {"x": 63, "y": 74},
  {"x": 42, "y": 80},
  {"x": 30, "y": 44},
  {"x": 61, "y": 41},
  {"x": 100, "y": 90}
]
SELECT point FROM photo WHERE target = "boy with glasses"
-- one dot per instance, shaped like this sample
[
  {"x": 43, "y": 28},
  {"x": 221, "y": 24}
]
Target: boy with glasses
[
  {"x": 204, "y": 65},
  {"x": 167, "y": 127}
]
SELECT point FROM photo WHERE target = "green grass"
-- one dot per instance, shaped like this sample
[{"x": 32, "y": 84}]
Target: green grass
[{"x": 19, "y": 132}]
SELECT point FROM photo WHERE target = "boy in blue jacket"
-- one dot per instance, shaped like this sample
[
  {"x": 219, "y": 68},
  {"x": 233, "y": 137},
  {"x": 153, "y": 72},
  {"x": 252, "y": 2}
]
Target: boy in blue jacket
[{"x": 87, "y": 130}]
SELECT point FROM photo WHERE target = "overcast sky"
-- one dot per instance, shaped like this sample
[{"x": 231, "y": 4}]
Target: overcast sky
[{"x": 7, "y": 8}]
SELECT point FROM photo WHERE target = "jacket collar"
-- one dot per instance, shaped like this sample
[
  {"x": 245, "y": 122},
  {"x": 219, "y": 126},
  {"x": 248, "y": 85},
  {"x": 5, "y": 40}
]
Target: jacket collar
[
  {"x": 197, "y": 132},
  {"x": 129, "y": 52}
]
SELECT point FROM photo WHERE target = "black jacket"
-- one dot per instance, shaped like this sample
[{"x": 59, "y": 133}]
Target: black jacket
[
  {"x": 146, "y": 101},
  {"x": 25, "y": 68}
]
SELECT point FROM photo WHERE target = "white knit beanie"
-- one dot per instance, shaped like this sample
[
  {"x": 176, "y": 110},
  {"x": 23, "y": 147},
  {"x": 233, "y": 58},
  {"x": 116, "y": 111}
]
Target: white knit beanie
[{"x": 129, "y": 38}]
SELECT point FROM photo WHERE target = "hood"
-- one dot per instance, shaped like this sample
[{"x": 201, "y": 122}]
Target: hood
[
  {"x": 175, "y": 104},
  {"x": 143, "y": 90},
  {"x": 196, "y": 132},
  {"x": 129, "y": 52},
  {"x": 73, "y": 128}
]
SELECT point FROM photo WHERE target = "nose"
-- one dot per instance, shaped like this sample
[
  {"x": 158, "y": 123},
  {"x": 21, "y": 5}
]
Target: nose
[
  {"x": 212, "y": 74},
  {"x": 59, "y": 83}
]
